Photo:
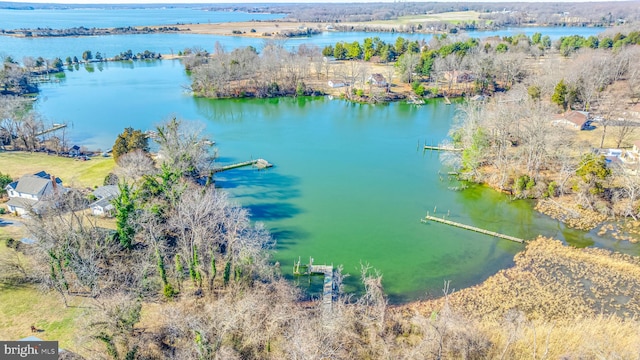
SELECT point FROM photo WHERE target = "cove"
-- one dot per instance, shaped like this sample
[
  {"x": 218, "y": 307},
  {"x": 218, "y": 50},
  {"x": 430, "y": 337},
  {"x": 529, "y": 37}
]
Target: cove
[{"x": 350, "y": 182}]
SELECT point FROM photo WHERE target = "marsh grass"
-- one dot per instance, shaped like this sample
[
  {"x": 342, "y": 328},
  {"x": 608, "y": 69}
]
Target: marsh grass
[{"x": 575, "y": 303}]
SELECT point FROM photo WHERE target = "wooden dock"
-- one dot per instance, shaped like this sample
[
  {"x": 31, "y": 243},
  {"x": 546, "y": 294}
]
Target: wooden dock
[
  {"x": 446, "y": 100},
  {"x": 259, "y": 163},
  {"x": 327, "y": 285},
  {"x": 441, "y": 148},
  {"x": 473, "y": 228},
  {"x": 55, "y": 127}
]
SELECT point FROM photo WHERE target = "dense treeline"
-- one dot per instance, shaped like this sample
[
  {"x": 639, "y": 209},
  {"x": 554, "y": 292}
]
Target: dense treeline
[
  {"x": 83, "y": 31},
  {"x": 15, "y": 79},
  {"x": 446, "y": 65},
  {"x": 517, "y": 143},
  {"x": 243, "y": 72},
  {"x": 492, "y": 14},
  {"x": 572, "y": 43}
]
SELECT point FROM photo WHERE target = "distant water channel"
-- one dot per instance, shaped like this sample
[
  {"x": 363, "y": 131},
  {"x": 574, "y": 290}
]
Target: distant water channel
[
  {"x": 350, "y": 182},
  {"x": 111, "y": 45},
  {"x": 103, "y": 16}
]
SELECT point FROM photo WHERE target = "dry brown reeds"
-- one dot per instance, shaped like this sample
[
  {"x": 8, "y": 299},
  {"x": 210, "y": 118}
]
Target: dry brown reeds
[
  {"x": 568, "y": 212},
  {"x": 556, "y": 302}
]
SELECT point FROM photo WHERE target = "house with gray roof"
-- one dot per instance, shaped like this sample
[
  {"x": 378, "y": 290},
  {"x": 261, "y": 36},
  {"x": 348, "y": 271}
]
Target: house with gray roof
[
  {"x": 31, "y": 192},
  {"x": 104, "y": 195}
]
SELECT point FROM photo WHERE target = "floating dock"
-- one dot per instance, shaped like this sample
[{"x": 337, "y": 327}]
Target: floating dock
[
  {"x": 446, "y": 100},
  {"x": 472, "y": 228},
  {"x": 259, "y": 163}
]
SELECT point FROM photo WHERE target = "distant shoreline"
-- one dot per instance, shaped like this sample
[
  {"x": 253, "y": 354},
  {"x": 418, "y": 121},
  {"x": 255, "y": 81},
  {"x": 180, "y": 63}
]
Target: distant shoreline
[{"x": 252, "y": 29}]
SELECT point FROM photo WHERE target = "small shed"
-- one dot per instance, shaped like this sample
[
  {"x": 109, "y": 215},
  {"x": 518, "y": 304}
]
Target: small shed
[{"x": 336, "y": 83}]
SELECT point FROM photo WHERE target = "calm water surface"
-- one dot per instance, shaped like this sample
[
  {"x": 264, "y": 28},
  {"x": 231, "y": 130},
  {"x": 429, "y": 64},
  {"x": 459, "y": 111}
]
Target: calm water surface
[
  {"x": 111, "y": 45},
  {"x": 350, "y": 183},
  {"x": 119, "y": 17}
]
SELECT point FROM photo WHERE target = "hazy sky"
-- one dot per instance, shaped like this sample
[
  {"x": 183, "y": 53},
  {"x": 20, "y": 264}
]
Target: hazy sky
[{"x": 245, "y": 1}]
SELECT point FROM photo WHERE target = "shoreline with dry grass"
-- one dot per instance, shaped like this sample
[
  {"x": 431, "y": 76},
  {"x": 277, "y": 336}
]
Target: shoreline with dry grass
[{"x": 556, "y": 300}]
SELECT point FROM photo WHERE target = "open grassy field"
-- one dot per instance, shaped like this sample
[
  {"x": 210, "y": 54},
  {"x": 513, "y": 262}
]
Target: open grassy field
[
  {"x": 452, "y": 17},
  {"x": 258, "y": 29},
  {"x": 74, "y": 173}
]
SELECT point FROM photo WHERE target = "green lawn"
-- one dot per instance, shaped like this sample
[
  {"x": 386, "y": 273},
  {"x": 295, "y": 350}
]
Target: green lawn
[
  {"x": 23, "y": 305},
  {"x": 74, "y": 173}
]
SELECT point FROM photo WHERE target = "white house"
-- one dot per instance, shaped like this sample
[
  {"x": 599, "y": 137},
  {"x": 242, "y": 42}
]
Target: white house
[
  {"x": 377, "y": 80},
  {"x": 336, "y": 83},
  {"x": 30, "y": 192},
  {"x": 104, "y": 194},
  {"x": 74, "y": 151}
]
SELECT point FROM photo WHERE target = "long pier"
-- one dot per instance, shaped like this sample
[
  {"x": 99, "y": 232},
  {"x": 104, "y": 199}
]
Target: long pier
[
  {"x": 473, "y": 228},
  {"x": 441, "y": 148},
  {"x": 54, "y": 128},
  {"x": 259, "y": 163}
]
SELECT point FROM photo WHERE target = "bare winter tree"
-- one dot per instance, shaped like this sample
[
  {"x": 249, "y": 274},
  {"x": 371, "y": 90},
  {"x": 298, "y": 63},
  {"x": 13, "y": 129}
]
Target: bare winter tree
[
  {"x": 627, "y": 195},
  {"x": 11, "y": 108},
  {"x": 72, "y": 252},
  {"x": 134, "y": 165},
  {"x": 184, "y": 147}
]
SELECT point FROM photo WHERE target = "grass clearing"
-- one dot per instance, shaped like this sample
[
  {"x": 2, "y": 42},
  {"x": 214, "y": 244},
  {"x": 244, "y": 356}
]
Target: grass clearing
[
  {"x": 453, "y": 17},
  {"x": 24, "y": 305},
  {"x": 11, "y": 227},
  {"x": 74, "y": 173}
]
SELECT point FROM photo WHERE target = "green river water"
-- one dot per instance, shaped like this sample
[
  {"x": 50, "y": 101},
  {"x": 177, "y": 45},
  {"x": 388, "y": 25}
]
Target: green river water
[{"x": 350, "y": 182}]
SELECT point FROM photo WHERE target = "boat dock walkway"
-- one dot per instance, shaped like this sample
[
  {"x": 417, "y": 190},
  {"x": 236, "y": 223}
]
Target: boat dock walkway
[
  {"x": 327, "y": 287},
  {"x": 328, "y": 283},
  {"x": 442, "y": 148},
  {"x": 472, "y": 228},
  {"x": 259, "y": 163},
  {"x": 54, "y": 128}
]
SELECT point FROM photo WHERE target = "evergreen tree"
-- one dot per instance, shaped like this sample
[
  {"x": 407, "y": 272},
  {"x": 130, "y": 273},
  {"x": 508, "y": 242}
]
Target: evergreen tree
[
  {"x": 559, "y": 96},
  {"x": 124, "y": 208},
  {"x": 129, "y": 141}
]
